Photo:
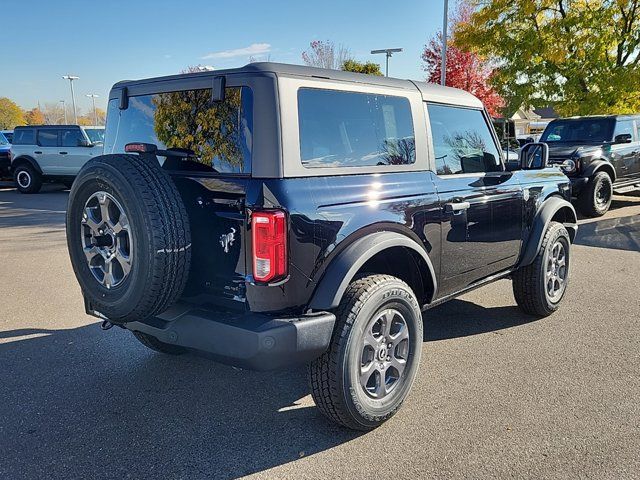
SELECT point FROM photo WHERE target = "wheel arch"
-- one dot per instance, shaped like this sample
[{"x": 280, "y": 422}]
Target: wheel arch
[
  {"x": 384, "y": 252},
  {"x": 553, "y": 209},
  {"x": 600, "y": 165},
  {"x": 25, "y": 160}
]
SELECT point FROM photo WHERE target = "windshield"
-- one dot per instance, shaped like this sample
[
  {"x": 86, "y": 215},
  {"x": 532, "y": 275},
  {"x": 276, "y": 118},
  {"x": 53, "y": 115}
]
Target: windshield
[
  {"x": 3, "y": 139},
  {"x": 585, "y": 130},
  {"x": 95, "y": 134}
]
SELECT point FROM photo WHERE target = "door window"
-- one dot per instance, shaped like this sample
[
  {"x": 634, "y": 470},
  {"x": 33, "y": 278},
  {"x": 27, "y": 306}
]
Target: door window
[
  {"x": 71, "y": 137},
  {"x": 624, "y": 127},
  {"x": 462, "y": 141},
  {"x": 48, "y": 138}
]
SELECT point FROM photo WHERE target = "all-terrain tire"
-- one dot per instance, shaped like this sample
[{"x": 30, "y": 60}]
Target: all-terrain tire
[
  {"x": 27, "y": 179},
  {"x": 530, "y": 283},
  {"x": 153, "y": 343},
  {"x": 160, "y": 236},
  {"x": 595, "y": 199},
  {"x": 334, "y": 379}
]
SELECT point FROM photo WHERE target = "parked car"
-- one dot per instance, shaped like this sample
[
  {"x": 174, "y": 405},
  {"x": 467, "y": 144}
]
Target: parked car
[
  {"x": 50, "y": 153},
  {"x": 8, "y": 134},
  {"x": 5, "y": 157},
  {"x": 274, "y": 215},
  {"x": 600, "y": 154}
]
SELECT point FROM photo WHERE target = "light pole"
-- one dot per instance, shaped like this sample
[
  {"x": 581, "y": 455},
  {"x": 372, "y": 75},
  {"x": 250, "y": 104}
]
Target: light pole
[
  {"x": 64, "y": 111},
  {"x": 445, "y": 21},
  {"x": 388, "y": 52},
  {"x": 93, "y": 97},
  {"x": 71, "y": 78}
]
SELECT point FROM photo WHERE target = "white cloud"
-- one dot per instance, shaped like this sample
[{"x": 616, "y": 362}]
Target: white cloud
[{"x": 253, "y": 49}]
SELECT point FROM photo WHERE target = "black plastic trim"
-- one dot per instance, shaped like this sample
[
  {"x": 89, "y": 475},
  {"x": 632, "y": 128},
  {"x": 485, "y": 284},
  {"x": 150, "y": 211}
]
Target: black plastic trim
[
  {"x": 344, "y": 267},
  {"x": 250, "y": 340},
  {"x": 549, "y": 208}
]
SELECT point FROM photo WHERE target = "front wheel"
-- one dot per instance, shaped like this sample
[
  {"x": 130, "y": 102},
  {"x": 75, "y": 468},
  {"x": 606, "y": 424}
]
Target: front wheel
[
  {"x": 596, "y": 198},
  {"x": 364, "y": 377},
  {"x": 540, "y": 286}
]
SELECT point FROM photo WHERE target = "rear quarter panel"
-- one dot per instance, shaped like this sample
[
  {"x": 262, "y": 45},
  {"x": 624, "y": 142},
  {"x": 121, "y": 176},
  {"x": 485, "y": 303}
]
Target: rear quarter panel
[{"x": 326, "y": 214}]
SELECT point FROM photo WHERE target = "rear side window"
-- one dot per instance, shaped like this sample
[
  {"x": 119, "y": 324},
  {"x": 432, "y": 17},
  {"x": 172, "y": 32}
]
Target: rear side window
[
  {"x": 24, "y": 136},
  {"x": 462, "y": 141},
  {"x": 218, "y": 133},
  {"x": 71, "y": 137},
  {"x": 48, "y": 138},
  {"x": 350, "y": 129}
]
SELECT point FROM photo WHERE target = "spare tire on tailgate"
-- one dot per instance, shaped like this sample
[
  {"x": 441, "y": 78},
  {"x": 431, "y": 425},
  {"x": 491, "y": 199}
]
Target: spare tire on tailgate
[{"x": 128, "y": 237}]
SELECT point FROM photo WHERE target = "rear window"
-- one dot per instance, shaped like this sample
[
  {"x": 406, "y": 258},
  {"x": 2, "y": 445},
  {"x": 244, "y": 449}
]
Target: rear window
[
  {"x": 218, "y": 133},
  {"x": 24, "y": 136},
  {"x": 350, "y": 129}
]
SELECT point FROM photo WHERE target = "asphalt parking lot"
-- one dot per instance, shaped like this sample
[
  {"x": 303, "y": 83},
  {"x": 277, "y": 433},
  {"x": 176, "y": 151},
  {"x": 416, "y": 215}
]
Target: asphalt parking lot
[{"x": 499, "y": 394}]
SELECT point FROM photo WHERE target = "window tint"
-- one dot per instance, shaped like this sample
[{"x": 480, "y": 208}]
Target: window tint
[
  {"x": 48, "y": 138},
  {"x": 348, "y": 129},
  {"x": 218, "y": 133},
  {"x": 24, "y": 136},
  {"x": 624, "y": 127},
  {"x": 462, "y": 141},
  {"x": 585, "y": 130},
  {"x": 95, "y": 134},
  {"x": 71, "y": 137}
]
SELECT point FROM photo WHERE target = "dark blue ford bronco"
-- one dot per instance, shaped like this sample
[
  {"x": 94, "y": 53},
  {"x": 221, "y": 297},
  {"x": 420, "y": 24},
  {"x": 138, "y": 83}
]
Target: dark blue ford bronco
[{"x": 275, "y": 215}]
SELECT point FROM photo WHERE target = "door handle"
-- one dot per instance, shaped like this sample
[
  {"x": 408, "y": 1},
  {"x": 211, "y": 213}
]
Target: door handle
[
  {"x": 62, "y": 153},
  {"x": 37, "y": 152},
  {"x": 456, "y": 207}
]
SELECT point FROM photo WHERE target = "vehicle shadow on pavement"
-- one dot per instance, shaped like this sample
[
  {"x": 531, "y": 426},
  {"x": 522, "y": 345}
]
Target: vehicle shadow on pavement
[
  {"x": 459, "y": 318},
  {"x": 622, "y": 233},
  {"x": 42, "y": 210},
  {"x": 82, "y": 403}
]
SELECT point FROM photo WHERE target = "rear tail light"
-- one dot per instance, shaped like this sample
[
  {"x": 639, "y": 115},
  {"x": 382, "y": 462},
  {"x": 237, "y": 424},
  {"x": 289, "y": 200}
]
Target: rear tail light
[{"x": 269, "y": 238}]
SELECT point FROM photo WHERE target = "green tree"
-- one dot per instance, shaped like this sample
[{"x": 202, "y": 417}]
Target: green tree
[
  {"x": 582, "y": 56},
  {"x": 11, "y": 114},
  {"x": 361, "y": 67}
]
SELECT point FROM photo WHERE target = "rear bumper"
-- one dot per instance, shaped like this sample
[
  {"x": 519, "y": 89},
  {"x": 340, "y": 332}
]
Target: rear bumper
[{"x": 252, "y": 341}]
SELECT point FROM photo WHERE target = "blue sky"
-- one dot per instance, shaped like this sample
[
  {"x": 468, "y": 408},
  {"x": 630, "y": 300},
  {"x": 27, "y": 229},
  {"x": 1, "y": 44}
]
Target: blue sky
[{"x": 103, "y": 42}]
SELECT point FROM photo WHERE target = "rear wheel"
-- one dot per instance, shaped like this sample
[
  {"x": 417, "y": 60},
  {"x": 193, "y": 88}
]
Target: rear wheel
[
  {"x": 595, "y": 200},
  {"x": 366, "y": 374},
  {"x": 539, "y": 287},
  {"x": 28, "y": 180}
]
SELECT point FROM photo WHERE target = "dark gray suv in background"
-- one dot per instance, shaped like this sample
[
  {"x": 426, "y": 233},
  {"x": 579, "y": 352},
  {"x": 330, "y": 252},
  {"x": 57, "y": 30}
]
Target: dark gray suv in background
[{"x": 600, "y": 154}]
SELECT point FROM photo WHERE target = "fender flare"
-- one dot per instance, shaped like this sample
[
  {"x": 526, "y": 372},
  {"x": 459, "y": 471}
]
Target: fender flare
[
  {"x": 598, "y": 165},
  {"x": 547, "y": 211},
  {"x": 344, "y": 267},
  {"x": 26, "y": 159}
]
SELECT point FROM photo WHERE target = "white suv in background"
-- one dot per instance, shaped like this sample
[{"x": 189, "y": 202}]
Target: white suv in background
[{"x": 52, "y": 153}]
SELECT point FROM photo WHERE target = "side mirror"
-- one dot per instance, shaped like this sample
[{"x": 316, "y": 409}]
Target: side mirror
[
  {"x": 623, "y": 138},
  {"x": 84, "y": 143},
  {"x": 534, "y": 156}
]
